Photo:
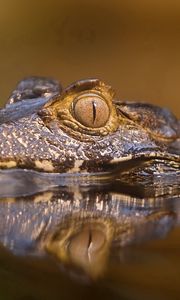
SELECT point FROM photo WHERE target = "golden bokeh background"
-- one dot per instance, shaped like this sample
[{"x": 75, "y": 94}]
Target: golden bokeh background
[{"x": 133, "y": 45}]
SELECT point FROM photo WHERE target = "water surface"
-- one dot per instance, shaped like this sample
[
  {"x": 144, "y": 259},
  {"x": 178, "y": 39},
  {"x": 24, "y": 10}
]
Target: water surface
[{"x": 90, "y": 241}]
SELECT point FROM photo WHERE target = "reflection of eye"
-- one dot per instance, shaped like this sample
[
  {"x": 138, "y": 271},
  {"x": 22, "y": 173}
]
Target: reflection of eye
[
  {"x": 91, "y": 111},
  {"x": 86, "y": 243}
]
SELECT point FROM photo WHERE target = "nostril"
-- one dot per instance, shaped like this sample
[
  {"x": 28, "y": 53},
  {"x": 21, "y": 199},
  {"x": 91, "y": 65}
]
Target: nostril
[{"x": 40, "y": 90}]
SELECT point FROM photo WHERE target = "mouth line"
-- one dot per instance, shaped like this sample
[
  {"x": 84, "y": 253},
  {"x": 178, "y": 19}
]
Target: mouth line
[
  {"x": 87, "y": 168},
  {"x": 18, "y": 182}
]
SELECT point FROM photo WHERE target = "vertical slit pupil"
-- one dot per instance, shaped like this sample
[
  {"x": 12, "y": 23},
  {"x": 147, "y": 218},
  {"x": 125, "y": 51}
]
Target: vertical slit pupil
[
  {"x": 94, "y": 110},
  {"x": 90, "y": 239}
]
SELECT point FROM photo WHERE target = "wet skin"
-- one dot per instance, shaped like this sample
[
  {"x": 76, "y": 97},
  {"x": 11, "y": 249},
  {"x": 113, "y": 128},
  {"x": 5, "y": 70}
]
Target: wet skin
[
  {"x": 84, "y": 130},
  {"x": 48, "y": 134}
]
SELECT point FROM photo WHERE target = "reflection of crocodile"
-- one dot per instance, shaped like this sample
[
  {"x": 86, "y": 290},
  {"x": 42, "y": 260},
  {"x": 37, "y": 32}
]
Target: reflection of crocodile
[
  {"x": 82, "y": 226},
  {"x": 84, "y": 129}
]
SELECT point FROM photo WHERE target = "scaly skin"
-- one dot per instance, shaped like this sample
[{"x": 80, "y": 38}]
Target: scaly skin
[
  {"x": 49, "y": 136},
  {"x": 81, "y": 226}
]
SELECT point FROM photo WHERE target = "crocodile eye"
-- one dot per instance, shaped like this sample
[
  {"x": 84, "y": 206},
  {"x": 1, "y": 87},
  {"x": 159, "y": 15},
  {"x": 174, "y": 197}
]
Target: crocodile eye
[{"x": 91, "y": 110}]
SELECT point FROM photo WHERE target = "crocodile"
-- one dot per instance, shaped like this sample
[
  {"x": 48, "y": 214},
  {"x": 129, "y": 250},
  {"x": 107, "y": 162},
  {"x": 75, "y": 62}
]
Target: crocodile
[
  {"x": 84, "y": 132},
  {"x": 52, "y": 136}
]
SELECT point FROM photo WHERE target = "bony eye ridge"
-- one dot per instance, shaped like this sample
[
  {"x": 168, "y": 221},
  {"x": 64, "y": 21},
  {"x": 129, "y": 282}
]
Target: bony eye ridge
[
  {"x": 91, "y": 110},
  {"x": 83, "y": 110}
]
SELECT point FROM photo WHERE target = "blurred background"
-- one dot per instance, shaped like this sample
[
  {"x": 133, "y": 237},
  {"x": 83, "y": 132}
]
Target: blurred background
[{"x": 132, "y": 45}]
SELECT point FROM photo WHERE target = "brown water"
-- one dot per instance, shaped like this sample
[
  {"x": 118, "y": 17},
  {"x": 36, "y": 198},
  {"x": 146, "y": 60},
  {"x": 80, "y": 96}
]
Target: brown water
[
  {"x": 153, "y": 275},
  {"x": 134, "y": 46}
]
